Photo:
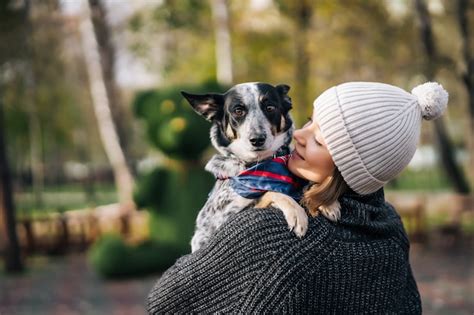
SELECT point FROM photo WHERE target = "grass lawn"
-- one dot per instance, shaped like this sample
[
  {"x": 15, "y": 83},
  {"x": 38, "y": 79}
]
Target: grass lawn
[
  {"x": 63, "y": 198},
  {"x": 420, "y": 180}
]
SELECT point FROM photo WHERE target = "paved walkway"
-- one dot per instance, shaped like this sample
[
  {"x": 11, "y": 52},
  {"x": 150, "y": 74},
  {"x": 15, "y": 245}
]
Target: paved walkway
[
  {"x": 67, "y": 286},
  {"x": 444, "y": 271}
]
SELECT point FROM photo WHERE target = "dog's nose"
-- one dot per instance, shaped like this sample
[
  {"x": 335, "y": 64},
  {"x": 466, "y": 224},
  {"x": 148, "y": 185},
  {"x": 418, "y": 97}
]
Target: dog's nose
[{"x": 258, "y": 141}]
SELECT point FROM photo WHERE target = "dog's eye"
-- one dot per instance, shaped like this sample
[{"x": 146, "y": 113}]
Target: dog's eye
[
  {"x": 239, "y": 111},
  {"x": 270, "y": 108}
]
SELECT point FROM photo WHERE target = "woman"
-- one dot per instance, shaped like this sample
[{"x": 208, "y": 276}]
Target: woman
[{"x": 361, "y": 135}]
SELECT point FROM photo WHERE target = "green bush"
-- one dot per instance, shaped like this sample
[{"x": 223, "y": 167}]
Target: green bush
[
  {"x": 175, "y": 195},
  {"x": 112, "y": 258},
  {"x": 174, "y": 198},
  {"x": 150, "y": 191},
  {"x": 171, "y": 124}
]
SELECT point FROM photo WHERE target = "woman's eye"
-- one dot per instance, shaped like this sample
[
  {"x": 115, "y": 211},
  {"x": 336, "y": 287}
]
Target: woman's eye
[{"x": 270, "y": 108}]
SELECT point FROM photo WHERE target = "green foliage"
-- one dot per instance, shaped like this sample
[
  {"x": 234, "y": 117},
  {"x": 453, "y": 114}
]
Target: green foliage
[
  {"x": 172, "y": 125},
  {"x": 181, "y": 13},
  {"x": 13, "y": 30},
  {"x": 187, "y": 56},
  {"x": 184, "y": 194},
  {"x": 150, "y": 190},
  {"x": 41, "y": 100},
  {"x": 174, "y": 197},
  {"x": 112, "y": 258},
  {"x": 66, "y": 197},
  {"x": 424, "y": 179}
]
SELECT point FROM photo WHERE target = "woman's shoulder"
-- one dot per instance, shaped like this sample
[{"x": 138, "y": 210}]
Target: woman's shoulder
[
  {"x": 267, "y": 228},
  {"x": 270, "y": 217}
]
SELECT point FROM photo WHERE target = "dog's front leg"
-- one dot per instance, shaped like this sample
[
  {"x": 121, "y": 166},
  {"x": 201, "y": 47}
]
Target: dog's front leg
[
  {"x": 222, "y": 202},
  {"x": 295, "y": 215},
  {"x": 237, "y": 204}
]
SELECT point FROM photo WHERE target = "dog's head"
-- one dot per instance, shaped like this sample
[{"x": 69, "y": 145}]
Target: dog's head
[{"x": 250, "y": 120}]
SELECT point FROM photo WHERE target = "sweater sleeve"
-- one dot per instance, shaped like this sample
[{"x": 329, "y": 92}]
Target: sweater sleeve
[
  {"x": 233, "y": 272},
  {"x": 214, "y": 277}
]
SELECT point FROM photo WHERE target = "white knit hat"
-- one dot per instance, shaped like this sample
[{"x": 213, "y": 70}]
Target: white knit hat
[{"x": 372, "y": 129}]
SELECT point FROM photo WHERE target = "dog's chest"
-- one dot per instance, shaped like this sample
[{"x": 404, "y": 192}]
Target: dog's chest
[{"x": 221, "y": 195}]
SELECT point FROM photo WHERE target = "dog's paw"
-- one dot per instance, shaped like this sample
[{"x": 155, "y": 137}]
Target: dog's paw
[
  {"x": 297, "y": 221},
  {"x": 300, "y": 226},
  {"x": 295, "y": 215},
  {"x": 332, "y": 211}
]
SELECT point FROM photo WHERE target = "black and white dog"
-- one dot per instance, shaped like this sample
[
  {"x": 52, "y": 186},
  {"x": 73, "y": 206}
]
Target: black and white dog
[{"x": 250, "y": 123}]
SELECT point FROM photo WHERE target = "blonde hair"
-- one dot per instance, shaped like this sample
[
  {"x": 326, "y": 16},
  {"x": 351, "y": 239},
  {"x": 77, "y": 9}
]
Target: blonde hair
[{"x": 324, "y": 194}]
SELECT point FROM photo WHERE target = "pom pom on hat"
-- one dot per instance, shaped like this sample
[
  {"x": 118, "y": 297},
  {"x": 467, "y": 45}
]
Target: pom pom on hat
[{"x": 432, "y": 98}]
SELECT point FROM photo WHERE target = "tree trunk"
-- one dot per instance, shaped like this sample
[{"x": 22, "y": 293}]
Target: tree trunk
[
  {"x": 445, "y": 147},
  {"x": 102, "y": 108},
  {"x": 13, "y": 262},
  {"x": 303, "y": 15},
  {"x": 468, "y": 75},
  {"x": 220, "y": 11},
  {"x": 106, "y": 49},
  {"x": 34, "y": 123},
  {"x": 36, "y": 148}
]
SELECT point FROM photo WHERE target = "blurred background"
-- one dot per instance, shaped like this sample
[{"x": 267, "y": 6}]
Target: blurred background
[{"x": 101, "y": 160}]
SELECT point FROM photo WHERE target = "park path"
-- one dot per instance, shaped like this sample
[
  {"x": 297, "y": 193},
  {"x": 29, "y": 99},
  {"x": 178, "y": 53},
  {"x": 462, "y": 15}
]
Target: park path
[
  {"x": 68, "y": 286},
  {"x": 444, "y": 272}
]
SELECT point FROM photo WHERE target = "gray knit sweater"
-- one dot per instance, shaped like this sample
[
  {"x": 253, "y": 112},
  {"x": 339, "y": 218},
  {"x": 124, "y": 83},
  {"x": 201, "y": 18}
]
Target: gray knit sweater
[{"x": 255, "y": 265}]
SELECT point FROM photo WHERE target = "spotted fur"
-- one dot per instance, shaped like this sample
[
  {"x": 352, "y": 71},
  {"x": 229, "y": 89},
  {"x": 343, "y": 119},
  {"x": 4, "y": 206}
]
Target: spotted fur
[{"x": 250, "y": 123}]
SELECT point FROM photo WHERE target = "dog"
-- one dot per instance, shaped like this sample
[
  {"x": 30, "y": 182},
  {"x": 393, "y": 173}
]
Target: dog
[{"x": 250, "y": 123}]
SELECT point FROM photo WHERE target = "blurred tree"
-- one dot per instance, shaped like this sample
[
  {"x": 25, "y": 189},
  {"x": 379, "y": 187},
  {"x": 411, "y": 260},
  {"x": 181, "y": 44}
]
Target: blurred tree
[
  {"x": 183, "y": 41},
  {"x": 223, "y": 47},
  {"x": 301, "y": 13},
  {"x": 99, "y": 67},
  {"x": 430, "y": 66},
  {"x": 40, "y": 100},
  {"x": 34, "y": 122},
  {"x": 12, "y": 20},
  {"x": 8, "y": 233},
  {"x": 103, "y": 34},
  {"x": 464, "y": 11}
]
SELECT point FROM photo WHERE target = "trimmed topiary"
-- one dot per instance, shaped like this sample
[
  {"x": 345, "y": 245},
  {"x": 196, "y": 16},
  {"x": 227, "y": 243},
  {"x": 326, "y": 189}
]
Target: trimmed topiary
[
  {"x": 174, "y": 194},
  {"x": 171, "y": 124},
  {"x": 112, "y": 258}
]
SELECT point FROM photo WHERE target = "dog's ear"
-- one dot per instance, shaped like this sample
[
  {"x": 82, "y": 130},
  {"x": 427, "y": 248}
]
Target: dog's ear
[
  {"x": 207, "y": 105},
  {"x": 283, "y": 91}
]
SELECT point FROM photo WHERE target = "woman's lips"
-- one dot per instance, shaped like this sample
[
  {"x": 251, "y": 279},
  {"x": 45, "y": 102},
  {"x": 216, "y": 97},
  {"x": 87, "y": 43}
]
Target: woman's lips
[{"x": 297, "y": 155}]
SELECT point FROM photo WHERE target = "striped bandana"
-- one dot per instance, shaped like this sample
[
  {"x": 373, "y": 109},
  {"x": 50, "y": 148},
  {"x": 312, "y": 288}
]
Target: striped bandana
[{"x": 269, "y": 175}]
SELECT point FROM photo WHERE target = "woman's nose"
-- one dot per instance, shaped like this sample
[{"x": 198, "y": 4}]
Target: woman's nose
[{"x": 298, "y": 136}]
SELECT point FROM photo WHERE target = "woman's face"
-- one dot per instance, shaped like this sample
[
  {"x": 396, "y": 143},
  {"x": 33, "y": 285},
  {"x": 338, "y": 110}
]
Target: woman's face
[{"x": 311, "y": 159}]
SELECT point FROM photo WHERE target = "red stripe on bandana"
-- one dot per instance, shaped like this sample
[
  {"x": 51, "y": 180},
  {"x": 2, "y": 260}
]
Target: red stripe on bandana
[{"x": 271, "y": 175}]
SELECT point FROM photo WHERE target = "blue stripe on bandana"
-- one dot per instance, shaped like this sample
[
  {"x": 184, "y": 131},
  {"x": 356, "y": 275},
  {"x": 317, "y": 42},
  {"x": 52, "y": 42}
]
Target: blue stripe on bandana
[{"x": 269, "y": 175}]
